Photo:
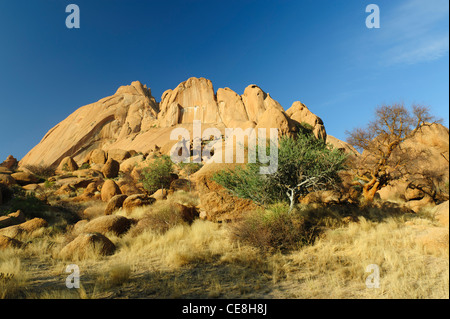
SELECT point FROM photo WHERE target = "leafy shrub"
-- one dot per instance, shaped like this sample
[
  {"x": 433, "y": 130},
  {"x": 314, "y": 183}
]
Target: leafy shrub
[
  {"x": 305, "y": 164},
  {"x": 158, "y": 174}
]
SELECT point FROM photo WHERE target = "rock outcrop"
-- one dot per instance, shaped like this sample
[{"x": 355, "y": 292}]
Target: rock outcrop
[{"x": 131, "y": 121}]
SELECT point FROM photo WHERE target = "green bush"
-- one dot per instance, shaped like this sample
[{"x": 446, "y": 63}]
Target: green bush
[
  {"x": 305, "y": 164},
  {"x": 158, "y": 174}
]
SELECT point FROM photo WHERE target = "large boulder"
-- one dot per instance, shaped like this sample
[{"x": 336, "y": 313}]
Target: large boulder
[
  {"x": 24, "y": 178},
  {"x": 7, "y": 180},
  {"x": 86, "y": 245},
  {"x": 109, "y": 190},
  {"x": 12, "y": 219},
  {"x": 129, "y": 164},
  {"x": 28, "y": 227},
  {"x": 108, "y": 224},
  {"x": 97, "y": 156},
  {"x": 96, "y": 126},
  {"x": 276, "y": 118},
  {"x": 160, "y": 194},
  {"x": 111, "y": 168},
  {"x": 67, "y": 165},
  {"x": 342, "y": 146},
  {"x": 114, "y": 204},
  {"x": 135, "y": 201},
  {"x": 118, "y": 155},
  {"x": 322, "y": 197}
]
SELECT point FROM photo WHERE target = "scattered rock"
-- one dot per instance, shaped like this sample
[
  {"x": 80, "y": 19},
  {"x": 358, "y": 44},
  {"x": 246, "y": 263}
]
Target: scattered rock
[
  {"x": 322, "y": 197},
  {"x": 118, "y": 155},
  {"x": 128, "y": 165},
  {"x": 160, "y": 194},
  {"x": 32, "y": 187},
  {"x": 7, "y": 180},
  {"x": 33, "y": 225},
  {"x": 111, "y": 223},
  {"x": 86, "y": 245},
  {"x": 24, "y": 178},
  {"x": 97, "y": 157},
  {"x": 417, "y": 205},
  {"x": 138, "y": 200},
  {"x": 12, "y": 219},
  {"x": 4, "y": 170},
  {"x": 114, "y": 204},
  {"x": 67, "y": 165},
  {"x": 26, "y": 227}
]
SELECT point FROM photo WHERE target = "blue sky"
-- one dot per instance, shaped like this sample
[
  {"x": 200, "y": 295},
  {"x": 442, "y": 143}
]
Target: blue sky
[{"x": 318, "y": 52}]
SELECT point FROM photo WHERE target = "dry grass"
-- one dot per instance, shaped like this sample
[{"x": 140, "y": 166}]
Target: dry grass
[
  {"x": 335, "y": 266},
  {"x": 202, "y": 261}
]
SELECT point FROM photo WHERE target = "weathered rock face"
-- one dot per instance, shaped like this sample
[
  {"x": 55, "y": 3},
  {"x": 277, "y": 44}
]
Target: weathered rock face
[
  {"x": 191, "y": 100},
  {"x": 299, "y": 113},
  {"x": 131, "y": 109},
  {"x": 9, "y": 163},
  {"x": 132, "y": 120},
  {"x": 343, "y": 146}
]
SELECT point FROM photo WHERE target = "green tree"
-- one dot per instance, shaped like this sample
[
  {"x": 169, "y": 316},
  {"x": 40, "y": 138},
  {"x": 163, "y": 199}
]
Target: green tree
[
  {"x": 158, "y": 174},
  {"x": 305, "y": 164}
]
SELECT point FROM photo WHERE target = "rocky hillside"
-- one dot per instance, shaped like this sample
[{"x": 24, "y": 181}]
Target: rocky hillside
[{"x": 132, "y": 119}]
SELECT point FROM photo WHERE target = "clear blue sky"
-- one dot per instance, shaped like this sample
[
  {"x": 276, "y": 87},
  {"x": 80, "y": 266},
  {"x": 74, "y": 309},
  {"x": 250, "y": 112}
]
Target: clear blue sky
[{"x": 319, "y": 52}]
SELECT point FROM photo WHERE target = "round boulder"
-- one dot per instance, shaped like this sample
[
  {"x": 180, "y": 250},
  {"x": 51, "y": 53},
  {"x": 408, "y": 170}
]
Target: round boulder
[
  {"x": 67, "y": 165},
  {"x": 24, "y": 178},
  {"x": 111, "y": 168},
  {"x": 97, "y": 157},
  {"x": 86, "y": 245},
  {"x": 109, "y": 190},
  {"x": 114, "y": 204},
  {"x": 137, "y": 200},
  {"x": 111, "y": 223}
]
